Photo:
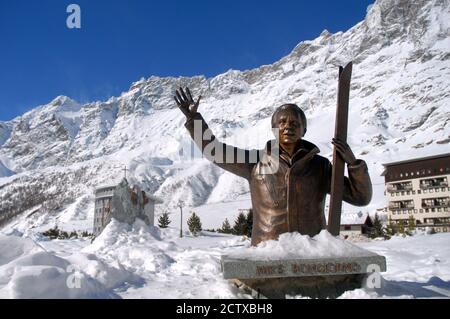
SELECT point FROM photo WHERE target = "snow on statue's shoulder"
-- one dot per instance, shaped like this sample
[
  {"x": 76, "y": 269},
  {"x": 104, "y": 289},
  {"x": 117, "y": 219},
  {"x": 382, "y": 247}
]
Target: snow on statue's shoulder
[{"x": 297, "y": 246}]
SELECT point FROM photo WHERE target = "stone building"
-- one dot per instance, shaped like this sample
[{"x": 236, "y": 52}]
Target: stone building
[
  {"x": 419, "y": 188},
  {"x": 124, "y": 203}
]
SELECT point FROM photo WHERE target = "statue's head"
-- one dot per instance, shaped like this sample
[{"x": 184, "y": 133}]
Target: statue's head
[{"x": 291, "y": 123}]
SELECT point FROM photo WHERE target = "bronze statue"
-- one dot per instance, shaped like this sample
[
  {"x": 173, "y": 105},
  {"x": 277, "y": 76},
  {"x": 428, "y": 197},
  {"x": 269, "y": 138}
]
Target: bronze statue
[{"x": 292, "y": 197}]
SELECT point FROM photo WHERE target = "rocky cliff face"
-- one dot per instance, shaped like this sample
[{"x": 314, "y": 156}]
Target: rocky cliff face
[{"x": 400, "y": 108}]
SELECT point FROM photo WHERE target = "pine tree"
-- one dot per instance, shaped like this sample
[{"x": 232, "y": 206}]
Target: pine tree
[
  {"x": 411, "y": 224},
  {"x": 194, "y": 224},
  {"x": 390, "y": 228},
  {"x": 52, "y": 233},
  {"x": 164, "y": 220},
  {"x": 240, "y": 225},
  {"x": 226, "y": 228},
  {"x": 401, "y": 227},
  {"x": 377, "y": 230},
  {"x": 73, "y": 234},
  {"x": 249, "y": 223}
]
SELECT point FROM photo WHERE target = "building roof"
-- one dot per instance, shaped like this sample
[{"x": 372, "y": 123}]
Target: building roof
[
  {"x": 418, "y": 159},
  {"x": 354, "y": 218},
  {"x": 104, "y": 187}
]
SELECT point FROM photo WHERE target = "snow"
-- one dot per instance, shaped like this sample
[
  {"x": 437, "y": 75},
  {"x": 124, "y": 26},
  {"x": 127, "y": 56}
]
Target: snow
[
  {"x": 4, "y": 171},
  {"x": 28, "y": 271},
  {"x": 140, "y": 261},
  {"x": 399, "y": 109},
  {"x": 353, "y": 218},
  {"x": 297, "y": 246}
]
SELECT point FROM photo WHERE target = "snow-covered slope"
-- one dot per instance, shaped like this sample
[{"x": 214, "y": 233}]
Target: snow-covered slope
[{"x": 400, "y": 108}]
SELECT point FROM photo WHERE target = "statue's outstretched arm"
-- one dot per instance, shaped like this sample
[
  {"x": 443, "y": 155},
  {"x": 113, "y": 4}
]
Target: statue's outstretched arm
[{"x": 230, "y": 158}]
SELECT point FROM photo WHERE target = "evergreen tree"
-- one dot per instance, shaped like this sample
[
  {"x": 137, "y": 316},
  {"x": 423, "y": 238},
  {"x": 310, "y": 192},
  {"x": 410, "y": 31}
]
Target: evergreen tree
[
  {"x": 52, "y": 233},
  {"x": 401, "y": 227},
  {"x": 226, "y": 227},
  {"x": 73, "y": 234},
  {"x": 377, "y": 230},
  {"x": 411, "y": 224},
  {"x": 390, "y": 228},
  {"x": 240, "y": 225},
  {"x": 249, "y": 223},
  {"x": 194, "y": 224},
  {"x": 164, "y": 220}
]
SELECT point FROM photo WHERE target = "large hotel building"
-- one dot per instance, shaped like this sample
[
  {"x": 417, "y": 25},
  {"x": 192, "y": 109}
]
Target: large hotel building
[{"x": 419, "y": 188}]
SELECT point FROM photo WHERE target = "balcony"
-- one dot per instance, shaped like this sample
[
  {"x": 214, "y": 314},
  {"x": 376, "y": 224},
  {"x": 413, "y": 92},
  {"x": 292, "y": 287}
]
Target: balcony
[
  {"x": 401, "y": 205},
  {"x": 433, "y": 183},
  {"x": 435, "y": 205},
  {"x": 393, "y": 188}
]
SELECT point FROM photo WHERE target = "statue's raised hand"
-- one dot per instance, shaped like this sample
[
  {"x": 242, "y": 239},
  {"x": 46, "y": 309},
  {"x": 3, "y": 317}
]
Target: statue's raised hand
[{"x": 186, "y": 103}]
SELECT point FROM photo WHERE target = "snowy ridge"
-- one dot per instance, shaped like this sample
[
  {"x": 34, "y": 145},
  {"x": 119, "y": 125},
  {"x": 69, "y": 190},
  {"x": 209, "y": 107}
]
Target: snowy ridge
[{"x": 399, "y": 109}]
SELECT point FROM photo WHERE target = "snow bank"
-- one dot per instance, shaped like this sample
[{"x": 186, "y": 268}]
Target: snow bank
[
  {"x": 137, "y": 247},
  {"x": 28, "y": 271},
  {"x": 12, "y": 248},
  {"x": 295, "y": 245}
]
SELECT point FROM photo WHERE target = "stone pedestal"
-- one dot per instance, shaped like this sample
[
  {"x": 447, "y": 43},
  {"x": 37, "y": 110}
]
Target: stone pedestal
[{"x": 315, "y": 278}]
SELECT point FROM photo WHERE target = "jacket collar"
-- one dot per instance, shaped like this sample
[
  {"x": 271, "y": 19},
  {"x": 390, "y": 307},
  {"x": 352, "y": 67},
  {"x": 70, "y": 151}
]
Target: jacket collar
[{"x": 305, "y": 150}]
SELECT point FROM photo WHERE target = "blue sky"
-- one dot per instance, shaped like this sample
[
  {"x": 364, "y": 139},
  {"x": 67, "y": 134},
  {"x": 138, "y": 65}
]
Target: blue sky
[{"x": 121, "y": 41}]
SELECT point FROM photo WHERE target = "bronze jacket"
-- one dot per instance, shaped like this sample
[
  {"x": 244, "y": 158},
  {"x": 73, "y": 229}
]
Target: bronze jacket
[{"x": 291, "y": 198}]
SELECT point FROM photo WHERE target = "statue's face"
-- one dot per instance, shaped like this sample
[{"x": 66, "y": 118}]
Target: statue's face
[{"x": 291, "y": 127}]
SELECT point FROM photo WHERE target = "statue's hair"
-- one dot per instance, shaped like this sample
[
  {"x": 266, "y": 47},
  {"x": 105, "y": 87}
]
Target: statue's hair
[{"x": 290, "y": 107}]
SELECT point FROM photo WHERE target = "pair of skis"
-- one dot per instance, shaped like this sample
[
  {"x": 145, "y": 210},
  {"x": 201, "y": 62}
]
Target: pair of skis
[{"x": 337, "y": 177}]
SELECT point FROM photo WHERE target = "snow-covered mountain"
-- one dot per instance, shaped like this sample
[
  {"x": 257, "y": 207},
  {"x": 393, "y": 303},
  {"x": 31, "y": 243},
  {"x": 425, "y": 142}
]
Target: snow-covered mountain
[{"x": 53, "y": 156}]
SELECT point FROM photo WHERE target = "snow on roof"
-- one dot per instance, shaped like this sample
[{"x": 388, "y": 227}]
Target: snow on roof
[
  {"x": 353, "y": 218},
  {"x": 105, "y": 187}
]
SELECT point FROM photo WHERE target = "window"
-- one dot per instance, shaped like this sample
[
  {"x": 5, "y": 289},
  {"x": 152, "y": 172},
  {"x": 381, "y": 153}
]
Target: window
[{"x": 421, "y": 210}]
